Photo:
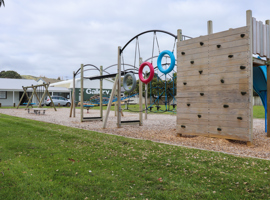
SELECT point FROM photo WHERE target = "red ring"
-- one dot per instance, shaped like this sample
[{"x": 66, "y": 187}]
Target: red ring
[{"x": 146, "y": 81}]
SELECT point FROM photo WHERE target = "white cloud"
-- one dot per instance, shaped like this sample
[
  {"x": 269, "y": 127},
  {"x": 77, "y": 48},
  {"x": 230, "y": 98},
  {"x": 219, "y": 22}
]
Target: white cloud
[{"x": 53, "y": 38}]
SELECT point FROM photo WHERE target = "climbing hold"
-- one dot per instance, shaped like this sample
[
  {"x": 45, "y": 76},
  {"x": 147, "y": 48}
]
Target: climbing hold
[
  {"x": 242, "y": 67},
  {"x": 184, "y": 83},
  {"x": 192, "y": 62},
  {"x": 218, "y": 46},
  {"x": 230, "y": 56},
  {"x": 225, "y": 106},
  {"x": 222, "y": 81},
  {"x": 242, "y": 35},
  {"x": 199, "y": 116},
  {"x": 183, "y": 53},
  {"x": 201, "y": 94},
  {"x": 152, "y": 72},
  {"x": 219, "y": 129},
  {"x": 183, "y": 126},
  {"x": 188, "y": 104},
  {"x": 243, "y": 93},
  {"x": 201, "y": 43},
  {"x": 170, "y": 68},
  {"x": 201, "y": 71},
  {"x": 134, "y": 82},
  {"x": 240, "y": 118}
]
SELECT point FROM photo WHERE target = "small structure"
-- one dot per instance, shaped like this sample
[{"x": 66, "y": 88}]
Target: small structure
[{"x": 215, "y": 80}]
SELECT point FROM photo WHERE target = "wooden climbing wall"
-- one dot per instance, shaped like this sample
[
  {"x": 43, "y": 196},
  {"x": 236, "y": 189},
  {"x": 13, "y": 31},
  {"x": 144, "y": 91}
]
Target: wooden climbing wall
[{"x": 214, "y": 85}]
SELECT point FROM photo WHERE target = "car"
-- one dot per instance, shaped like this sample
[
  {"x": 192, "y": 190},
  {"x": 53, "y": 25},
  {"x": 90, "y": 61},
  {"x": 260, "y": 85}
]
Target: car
[{"x": 58, "y": 100}]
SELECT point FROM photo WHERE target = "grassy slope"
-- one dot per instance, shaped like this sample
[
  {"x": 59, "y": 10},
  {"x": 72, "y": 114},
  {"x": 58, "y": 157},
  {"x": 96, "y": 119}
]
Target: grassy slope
[
  {"x": 258, "y": 112},
  {"x": 47, "y": 161}
]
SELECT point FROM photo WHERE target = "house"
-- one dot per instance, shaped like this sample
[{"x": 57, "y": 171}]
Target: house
[
  {"x": 42, "y": 80},
  {"x": 11, "y": 91}
]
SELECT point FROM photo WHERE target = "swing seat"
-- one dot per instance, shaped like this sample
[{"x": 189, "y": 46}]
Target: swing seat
[
  {"x": 151, "y": 107},
  {"x": 158, "y": 107},
  {"x": 173, "y": 105}
]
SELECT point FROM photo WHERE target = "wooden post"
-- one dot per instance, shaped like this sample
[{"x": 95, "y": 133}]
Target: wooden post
[
  {"x": 140, "y": 98},
  {"x": 249, "y": 25},
  {"x": 73, "y": 94},
  {"x": 210, "y": 27},
  {"x": 58, "y": 104},
  {"x": 179, "y": 35},
  {"x": 100, "y": 93},
  {"x": 0, "y": 105},
  {"x": 14, "y": 105},
  {"x": 119, "y": 89},
  {"x": 110, "y": 102},
  {"x": 145, "y": 96},
  {"x": 268, "y": 91},
  {"x": 81, "y": 92},
  {"x": 24, "y": 92}
]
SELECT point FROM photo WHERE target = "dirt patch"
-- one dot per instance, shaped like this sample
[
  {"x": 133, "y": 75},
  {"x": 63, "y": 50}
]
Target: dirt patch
[{"x": 158, "y": 128}]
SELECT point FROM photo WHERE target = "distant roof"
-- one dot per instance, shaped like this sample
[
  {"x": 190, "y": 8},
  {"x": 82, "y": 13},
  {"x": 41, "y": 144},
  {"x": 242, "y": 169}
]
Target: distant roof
[
  {"x": 9, "y": 84},
  {"x": 48, "y": 80}
]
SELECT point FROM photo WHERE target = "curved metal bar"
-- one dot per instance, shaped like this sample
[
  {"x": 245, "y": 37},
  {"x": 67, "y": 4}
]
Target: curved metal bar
[
  {"x": 77, "y": 72},
  {"x": 175, "y": 36},
  {"x": 124, "y": 64}
]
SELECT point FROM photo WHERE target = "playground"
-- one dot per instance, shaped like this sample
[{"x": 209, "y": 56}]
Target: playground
[{"x": 158, "y": 128}]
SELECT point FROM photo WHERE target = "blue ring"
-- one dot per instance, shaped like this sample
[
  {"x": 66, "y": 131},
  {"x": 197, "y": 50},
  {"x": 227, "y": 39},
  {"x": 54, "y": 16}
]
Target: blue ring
[{"x": 166, "y": 71}]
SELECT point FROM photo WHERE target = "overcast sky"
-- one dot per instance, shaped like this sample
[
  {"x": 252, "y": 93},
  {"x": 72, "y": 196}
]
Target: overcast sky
[{"x": 53, "y": 37}]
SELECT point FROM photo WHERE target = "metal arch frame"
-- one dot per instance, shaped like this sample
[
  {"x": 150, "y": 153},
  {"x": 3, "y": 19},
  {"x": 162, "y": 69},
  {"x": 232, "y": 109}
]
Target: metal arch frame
[
  {"x": 78, "y": 71},
  {"x": 149, "y": 31}
]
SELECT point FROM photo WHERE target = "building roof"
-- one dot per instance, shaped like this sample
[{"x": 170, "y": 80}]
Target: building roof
[{"x": 9, "y": 84}]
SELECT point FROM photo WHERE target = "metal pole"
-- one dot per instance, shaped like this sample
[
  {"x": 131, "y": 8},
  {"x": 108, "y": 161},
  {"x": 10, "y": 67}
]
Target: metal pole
[{"x": 119, "y": 89}]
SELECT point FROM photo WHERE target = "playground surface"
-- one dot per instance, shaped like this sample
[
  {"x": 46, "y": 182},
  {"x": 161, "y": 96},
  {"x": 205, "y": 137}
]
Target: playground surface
[{"x": 158, "y": 128}]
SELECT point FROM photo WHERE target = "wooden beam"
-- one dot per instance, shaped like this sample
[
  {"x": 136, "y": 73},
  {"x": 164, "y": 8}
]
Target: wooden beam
[
  {"x": 100, "y": 93},
  {"x": 268, "y": 91},
  {"x": 119, "y": 89},
  {"x": 140, "y": 98},
  {"x": 81, "y": 92},
  {"x": 110, "y": 102},
  {"x": 210, "y": 27}
]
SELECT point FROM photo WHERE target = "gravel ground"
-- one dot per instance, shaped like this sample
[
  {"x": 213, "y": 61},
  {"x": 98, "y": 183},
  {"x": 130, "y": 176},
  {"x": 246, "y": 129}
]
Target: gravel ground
[{"x": 158, "y": 128}]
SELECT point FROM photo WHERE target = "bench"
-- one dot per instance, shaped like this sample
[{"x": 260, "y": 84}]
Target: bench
[{"x": 37, "y": 110}]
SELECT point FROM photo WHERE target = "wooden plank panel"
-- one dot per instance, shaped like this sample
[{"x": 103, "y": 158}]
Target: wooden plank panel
[
  {"x": 221, "y": 58},
  {"x": 228, "y": 39},
  {"x": 188, "y": 57},
  {"x": 180, "y": 82},
  {"x": 198, "y": 61},
  {"x": 213, "y": 105},
  {"x": 239, "y": 74},
  {"x": 228, "y": 132},
  {"x": 258, "y": 47},
  {"x": 186, "y": 88},
  {"x": 228, "y": 98},
  {"x": 228, "y": 111},
  {"x": 231, "y": 124},
  {"x": 227, "y": 69},
  {"x": 192, "y": 67},
  {"x": 198, "y": 121},
  {"x": 192, "y": 48},
  {"x": 226, "y": 45},
  {"x": 195, "y": 40},
  {"x": 228, "y": 87},
  {"x": 254, "y": 35},
  {"x": 229, "y": 51},
  {"x": 236, "y": 31},
  {"x": 193, "y": 94},
  {"x": 198, "y": 72},
  {"x": 215, "y": 95},
  {"x": 240, "y": 61},
  {"x": 192, "y": 129},
  {"x": 192, "y": 78},
  {"x": 191, "y": 110}
]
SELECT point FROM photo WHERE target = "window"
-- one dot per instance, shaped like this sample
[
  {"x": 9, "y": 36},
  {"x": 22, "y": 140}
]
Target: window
[{"x": 3, "y": 94}]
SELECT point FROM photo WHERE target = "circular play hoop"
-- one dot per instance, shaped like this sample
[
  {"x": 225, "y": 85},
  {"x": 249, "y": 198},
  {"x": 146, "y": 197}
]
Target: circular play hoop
[
  {"x": 166, "y": 71},
  {"x": 152, "y": 72},
  {"x": 126, "y": 87}
]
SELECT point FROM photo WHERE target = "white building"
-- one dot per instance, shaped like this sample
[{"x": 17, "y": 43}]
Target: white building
[{"x": 11, "y": 91}]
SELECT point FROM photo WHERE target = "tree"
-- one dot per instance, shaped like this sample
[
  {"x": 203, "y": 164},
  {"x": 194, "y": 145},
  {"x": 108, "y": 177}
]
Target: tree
[
  {"x": 10, "y": 74},
  {"x": 2, "y": 2}
]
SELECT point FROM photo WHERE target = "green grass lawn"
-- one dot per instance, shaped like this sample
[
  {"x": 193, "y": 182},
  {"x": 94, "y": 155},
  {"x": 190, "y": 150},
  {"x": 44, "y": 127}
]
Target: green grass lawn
[
  {"x": 258, "y": 112},
  {"x": 47, "y": 161}
]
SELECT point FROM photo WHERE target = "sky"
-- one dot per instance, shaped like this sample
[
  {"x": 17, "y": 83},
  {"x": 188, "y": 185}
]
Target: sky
[{"x": 53, "y": 38}]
